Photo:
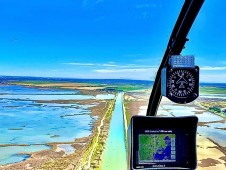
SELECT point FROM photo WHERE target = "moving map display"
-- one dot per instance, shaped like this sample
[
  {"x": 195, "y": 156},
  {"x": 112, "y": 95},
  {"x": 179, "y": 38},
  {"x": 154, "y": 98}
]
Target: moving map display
[{"x": 156, "y": 148}]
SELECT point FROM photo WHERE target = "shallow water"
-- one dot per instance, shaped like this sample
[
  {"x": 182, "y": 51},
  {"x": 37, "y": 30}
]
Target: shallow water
[
  {"x": 213, "y": 96},
  {"x": 16, "y": 90},
  {"x": 57, "y": 97},
  {"x": 115, "y": 153},
  {"x": 210, "y": 131},
  {"x": 27, "y": 122},
  {"x": 11, "y": 154}
]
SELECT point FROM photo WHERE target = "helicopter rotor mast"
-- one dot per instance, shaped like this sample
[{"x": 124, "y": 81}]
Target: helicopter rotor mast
[{"x": 175, "y": 45}]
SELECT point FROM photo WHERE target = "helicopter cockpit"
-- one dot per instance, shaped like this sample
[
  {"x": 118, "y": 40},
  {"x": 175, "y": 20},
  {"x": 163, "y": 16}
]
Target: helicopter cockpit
[
  {"x": 112, "y": 85},
  {"x": 178, "y": 80}
]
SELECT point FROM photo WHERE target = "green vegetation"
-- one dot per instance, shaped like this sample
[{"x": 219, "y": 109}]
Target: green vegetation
[
  {"x": 126, "y": 107},
  {"x": 126, "y": 87},
  {"x": 108, "y": 87},
  {"x": 98, "y": 142},
  {"x": 212, "y": 90},
  {"x": 217, "y": 107},
  {"x": 93, "y": 148}
]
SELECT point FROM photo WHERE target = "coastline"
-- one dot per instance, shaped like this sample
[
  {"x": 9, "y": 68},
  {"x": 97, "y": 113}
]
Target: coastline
[
  {"x": 88, "y": 151},
  {"x": 55, "y": 157}
]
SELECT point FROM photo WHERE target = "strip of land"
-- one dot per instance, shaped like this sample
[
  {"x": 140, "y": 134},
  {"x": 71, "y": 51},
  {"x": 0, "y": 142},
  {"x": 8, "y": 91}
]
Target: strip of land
[{"x": 87, "y": 150}]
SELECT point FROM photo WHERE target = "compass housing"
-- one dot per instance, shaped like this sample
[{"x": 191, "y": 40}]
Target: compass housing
[{"x": 180, "y": 85}]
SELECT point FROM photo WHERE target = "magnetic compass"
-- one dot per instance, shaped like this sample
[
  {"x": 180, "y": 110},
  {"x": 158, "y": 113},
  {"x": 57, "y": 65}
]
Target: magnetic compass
[{"x": 180, "y": 84}]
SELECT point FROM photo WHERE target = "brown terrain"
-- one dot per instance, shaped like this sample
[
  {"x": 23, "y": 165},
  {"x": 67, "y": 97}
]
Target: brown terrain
[
  {"x": 56, "y": 158},
  {"x": 210, "y": 154}
]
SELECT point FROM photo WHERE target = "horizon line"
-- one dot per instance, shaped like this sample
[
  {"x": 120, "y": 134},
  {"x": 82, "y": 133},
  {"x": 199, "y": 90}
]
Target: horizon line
[
  {"x": 79, "y": 78},
  {"x": 95, "y": 78}
]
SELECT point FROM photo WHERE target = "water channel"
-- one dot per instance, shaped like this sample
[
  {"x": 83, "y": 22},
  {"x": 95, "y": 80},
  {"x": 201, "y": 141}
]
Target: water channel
[{"x": 115, "y": 153}]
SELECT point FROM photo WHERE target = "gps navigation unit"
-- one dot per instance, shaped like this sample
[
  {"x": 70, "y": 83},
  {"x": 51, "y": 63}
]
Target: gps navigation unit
[{"x": 162, "y": 142}]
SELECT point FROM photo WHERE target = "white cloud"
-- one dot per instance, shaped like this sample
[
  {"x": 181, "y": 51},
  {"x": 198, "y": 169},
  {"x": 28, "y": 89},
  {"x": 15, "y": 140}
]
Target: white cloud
[
  {"x": 112, "y": 64},
  {"x": 138, "y": 66},
  {"x": 122, "y": 70},
  {"x": 109, "y": 65},
  {"x": 115, "y": 70},
  {"x": 92, "y": 64},
  {"x": 212, "y": 68}
]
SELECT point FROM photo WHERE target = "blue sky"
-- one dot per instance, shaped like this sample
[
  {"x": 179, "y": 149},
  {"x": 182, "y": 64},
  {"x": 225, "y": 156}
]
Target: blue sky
[{"x": 105, "y": 38}]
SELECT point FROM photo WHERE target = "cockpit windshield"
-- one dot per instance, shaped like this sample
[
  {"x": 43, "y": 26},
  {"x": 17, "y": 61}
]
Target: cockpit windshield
[{"x": 73, "y": 73}]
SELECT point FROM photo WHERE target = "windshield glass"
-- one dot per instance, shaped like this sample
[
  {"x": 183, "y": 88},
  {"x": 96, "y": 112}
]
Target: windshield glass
[{"x": 73, "y": 73}]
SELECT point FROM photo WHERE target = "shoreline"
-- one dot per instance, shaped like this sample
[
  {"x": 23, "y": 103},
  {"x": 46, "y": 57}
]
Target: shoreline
[
  {"x": 203, "y": 105},
  {"x": 55, "y": 158},
  {"x": 89, "y": 150},
  {"x": 92, "y": 158}
]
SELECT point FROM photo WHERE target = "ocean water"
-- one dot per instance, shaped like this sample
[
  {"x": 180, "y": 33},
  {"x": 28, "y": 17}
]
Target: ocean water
[
  {"x": 24, "y": 121},
  {"x": 110, "y": 82}
]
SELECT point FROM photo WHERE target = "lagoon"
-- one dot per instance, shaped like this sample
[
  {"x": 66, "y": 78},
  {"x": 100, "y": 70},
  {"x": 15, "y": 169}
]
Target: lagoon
[
  {"x": 12, "y": 154},
  {"x": 57, "y": 97},
  {"x": 210, "y": 130},
  {"x": 23, "y": 121}
]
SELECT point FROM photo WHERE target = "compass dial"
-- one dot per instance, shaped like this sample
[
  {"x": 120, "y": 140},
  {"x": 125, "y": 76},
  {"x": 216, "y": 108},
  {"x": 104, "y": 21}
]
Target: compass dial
[{"x": 181, "y": 83}]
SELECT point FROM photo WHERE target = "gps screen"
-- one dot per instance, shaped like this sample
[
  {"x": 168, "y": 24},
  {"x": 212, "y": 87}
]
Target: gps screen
[
  {"x": 156, "y": 148},
  {"x": 163, "y": 142}
]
